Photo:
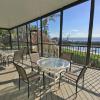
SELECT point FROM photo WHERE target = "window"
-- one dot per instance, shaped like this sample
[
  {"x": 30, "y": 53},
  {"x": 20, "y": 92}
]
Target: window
[
  {"x": 4, "y": 40},
  {"x": 22, "y": 36},
  {"x": 14, "y": 39},
  {"x": 35, "y": 36},
  {"x": 75, "y": 31},
  {"x": 50, "y": 34},
  {"x": 95, "y": 48}
]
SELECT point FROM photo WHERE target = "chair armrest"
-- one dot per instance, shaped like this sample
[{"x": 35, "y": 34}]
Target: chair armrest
[
  {"x": 35, "y": 65},
  {"x": 10, "y": 56},
  {"x": 33, "y": 62},
  {"x": 68, "y": 73}
]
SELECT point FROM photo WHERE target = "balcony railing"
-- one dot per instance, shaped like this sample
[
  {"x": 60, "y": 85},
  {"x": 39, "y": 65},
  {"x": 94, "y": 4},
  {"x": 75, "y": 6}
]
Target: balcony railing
[
  {"x": 52, "y": 50},
  {"x": 79, "y": 52}
]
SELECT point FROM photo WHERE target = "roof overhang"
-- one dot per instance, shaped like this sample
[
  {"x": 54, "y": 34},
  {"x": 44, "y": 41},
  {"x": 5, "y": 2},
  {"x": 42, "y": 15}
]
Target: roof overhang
[{"x": 16, "y": 12}]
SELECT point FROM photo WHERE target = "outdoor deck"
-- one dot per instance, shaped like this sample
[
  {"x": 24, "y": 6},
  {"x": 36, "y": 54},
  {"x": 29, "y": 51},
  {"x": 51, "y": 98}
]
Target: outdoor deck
[{"x": 9, "y": 87}]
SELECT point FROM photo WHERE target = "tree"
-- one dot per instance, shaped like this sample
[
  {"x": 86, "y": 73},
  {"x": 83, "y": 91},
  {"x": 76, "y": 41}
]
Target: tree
[{"x": 46, "y": 20}]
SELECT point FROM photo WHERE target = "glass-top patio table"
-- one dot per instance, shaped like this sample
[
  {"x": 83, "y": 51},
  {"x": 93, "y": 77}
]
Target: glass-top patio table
[
  {"x": 53, "y": 66},
  {"x": 53, "y": 63}
]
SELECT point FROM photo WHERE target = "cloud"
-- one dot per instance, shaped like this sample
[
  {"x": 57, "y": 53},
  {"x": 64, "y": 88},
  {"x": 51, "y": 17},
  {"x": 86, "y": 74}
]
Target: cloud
[
  {"x": 75, "y": 30},
  {"x": 96, "y": 35},
  {"x": 75, "y": 34}
]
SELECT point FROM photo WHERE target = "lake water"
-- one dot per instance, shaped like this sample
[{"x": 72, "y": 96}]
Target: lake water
[
  {"x": 82, "y": 39},
  {"x": 84, "y": 49}
]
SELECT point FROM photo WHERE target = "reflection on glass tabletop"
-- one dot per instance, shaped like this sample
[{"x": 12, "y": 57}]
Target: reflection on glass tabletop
[{"x": 53, "y": 63}]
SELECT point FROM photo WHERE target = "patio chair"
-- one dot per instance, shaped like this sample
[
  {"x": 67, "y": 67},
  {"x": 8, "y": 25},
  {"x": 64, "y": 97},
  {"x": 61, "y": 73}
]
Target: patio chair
[
  {"x": 68, "y": 57},
  {"x": 25, "y": 52},
  {"x": 3, "y": 59},
  {"x": 29, "y": 79},
  {"x": 33, "y": 59},
  {"x": 17, "y": 57},
  {"x": 73, "y": 77}
]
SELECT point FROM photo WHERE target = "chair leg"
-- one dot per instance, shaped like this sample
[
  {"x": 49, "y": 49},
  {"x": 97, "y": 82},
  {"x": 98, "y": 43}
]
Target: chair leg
[
  {"x": 76, "y": 89},
  {"x": 22, "y": 61},
  {"x": 83, "y": 82},
  {"x": 28, "y": 90},
  {"x": 19, "y": 82},
  {"x": 8, "y": 62},
  {"x": 49, "y": 78},
  {"x": 43, "y": 81},
  {"x": 59, "y": 80},
  {"x": 26, "y": 56},
  {"x": 70, "y": 67},
  {"x": 66, "y": 70}
]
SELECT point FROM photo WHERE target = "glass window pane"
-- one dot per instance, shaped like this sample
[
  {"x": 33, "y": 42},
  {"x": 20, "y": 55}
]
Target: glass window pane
[
  {"x": 22, "y": 36},
  {"x": 50, "y": 34},
  {"x": 4, "y": 40},
  {"x": 14, "y": 39},
  {"x": 75, "y": 31},
  {"x": 95, "y": 49}
]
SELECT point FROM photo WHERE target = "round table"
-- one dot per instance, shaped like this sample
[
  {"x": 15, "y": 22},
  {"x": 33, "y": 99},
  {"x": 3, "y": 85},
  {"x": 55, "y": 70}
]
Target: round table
[
  {"x": 53, "y": 63},
  {"x": 53, "y": 66}
]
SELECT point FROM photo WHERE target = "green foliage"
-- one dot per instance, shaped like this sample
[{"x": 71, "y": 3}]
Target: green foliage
[
  {"x": 80, "y": 57},
  {"x": 33, "y": 27}
]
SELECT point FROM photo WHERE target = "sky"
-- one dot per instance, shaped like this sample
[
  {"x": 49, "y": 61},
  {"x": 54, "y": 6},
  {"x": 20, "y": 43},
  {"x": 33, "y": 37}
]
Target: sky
[{"x": 76, "y": 22}]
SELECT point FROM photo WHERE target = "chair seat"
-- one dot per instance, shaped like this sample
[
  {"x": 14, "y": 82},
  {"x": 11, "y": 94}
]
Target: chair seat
[
  {"x": 70, "y": 76},
  {"x": 33, "y": 76},
  {"x": 52, "y": 71}
]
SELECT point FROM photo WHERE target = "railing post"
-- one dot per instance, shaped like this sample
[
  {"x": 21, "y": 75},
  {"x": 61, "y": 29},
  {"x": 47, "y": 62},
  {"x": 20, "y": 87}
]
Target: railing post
[
  {"x": 37, "y": 38},
  {"x": 18, "y": 38},
  {"x": 10, "y": 40},
  {"x": 30, "y": 39},
  {"x": 27, "y": 36},
  {"x": 41, "y": 38},
  {"x": 61, "y": 27},
  {"x": 90, "y": 31}
]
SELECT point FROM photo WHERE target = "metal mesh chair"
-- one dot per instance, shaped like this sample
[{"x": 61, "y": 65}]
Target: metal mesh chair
[
  {"x": 27, "y": 78},
  {"x": 34, "y": 57},
  {"x": 68, "y": 57},
  {"x": 3, "y": 59},
  {"x": 25, "y": 52},
  {"x": 73, "y": 77},
  {"x": 18, "y": 56}
]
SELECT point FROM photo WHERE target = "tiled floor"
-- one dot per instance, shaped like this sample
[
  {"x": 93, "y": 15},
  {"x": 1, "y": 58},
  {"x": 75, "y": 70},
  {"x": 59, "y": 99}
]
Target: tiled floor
[{"x": 9, "y": 87}]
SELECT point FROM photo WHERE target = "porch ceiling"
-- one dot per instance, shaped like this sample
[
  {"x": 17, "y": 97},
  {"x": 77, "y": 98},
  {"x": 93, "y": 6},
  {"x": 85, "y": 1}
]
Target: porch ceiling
[{"x": 16, "y": 12}]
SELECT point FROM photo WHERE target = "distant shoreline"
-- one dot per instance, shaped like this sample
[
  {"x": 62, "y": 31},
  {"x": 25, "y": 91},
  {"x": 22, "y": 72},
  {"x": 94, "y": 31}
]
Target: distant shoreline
[{"x": 81, "y": 39}]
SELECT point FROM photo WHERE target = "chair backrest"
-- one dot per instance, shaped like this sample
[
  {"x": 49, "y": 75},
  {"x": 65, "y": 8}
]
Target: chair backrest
[
  {"x": 0, "y": 55},
  {"x": 67, "y": 56},
  {"x": 21, "y": 72},
  {"x": 25, "y": 51},
  {"x": 18, "y": 56},
  {"x": 34, "y": 57},
  {"x": 93, "y": 63},
  {"x": 81, "y": 75}
]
